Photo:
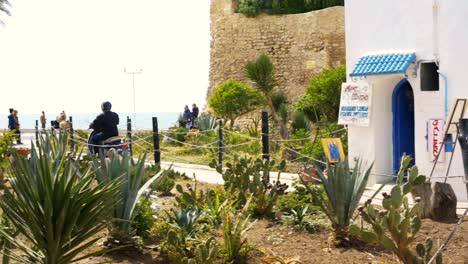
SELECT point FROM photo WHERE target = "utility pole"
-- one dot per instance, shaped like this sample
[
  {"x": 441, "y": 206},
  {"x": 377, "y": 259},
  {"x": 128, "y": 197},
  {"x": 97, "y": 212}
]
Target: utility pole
[{"x": 133, "y": 85}]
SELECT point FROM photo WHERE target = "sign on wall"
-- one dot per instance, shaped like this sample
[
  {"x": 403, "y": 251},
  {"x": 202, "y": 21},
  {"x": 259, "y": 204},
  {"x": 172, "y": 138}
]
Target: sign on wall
[
  {"x": 333, "y": 149},
  {"x": 435, "y": 132},
  {"x": 355, "y": 104}
]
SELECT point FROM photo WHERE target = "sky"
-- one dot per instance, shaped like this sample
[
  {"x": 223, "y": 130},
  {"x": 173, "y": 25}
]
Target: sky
[{"x": 70, "y": 55}]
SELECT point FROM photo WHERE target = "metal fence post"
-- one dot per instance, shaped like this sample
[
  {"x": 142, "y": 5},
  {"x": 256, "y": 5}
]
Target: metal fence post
[
  {"x": 72, "y": 140},
  {"x": 220, "y": 143},
  {"x": 156, "y": 150},
  {"x": 265, "y": 143},
  {"x": 129, "y": 135},
  {"x": 37, "y": 132}
]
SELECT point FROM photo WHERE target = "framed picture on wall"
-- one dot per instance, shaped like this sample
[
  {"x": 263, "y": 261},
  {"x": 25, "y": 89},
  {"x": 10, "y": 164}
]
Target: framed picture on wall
[{"x": 333, "y": 149}]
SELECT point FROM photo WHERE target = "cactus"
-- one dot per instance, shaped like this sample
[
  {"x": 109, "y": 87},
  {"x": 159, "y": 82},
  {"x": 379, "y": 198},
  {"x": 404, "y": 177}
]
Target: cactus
[
  {"x": 246, "y": 176},
  {"x": 396, "y": 225},
  {"x": 424, "y": 251}
]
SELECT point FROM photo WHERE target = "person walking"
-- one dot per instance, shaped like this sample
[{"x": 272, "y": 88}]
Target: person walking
[
  {"x": 17, "y": 127},
  {"x": 43, "y": 121}
]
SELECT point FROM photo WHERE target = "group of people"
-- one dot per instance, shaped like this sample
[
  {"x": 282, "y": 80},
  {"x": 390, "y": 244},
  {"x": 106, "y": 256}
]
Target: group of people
[
  {"x": 14, "y": 125},
  {"x": 190, "y": 117},
  {"x": 104, "y": 126}
]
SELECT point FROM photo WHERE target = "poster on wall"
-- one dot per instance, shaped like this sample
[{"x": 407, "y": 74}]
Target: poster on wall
[
  {"x": 435, "y": 132},
  {"x": 333, "y": 149},
  {"x": 355, "y": 104}
]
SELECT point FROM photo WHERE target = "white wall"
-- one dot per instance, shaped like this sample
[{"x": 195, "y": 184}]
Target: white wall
[{"x": 407, "y": 25}]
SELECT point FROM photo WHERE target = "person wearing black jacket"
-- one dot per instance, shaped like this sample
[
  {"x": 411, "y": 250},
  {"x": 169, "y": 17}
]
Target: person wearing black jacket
[{"x": 105, "y": 124}]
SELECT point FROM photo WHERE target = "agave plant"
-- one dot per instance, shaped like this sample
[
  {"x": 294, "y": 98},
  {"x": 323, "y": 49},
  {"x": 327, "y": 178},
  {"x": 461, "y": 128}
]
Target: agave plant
[
  {"x": 55, "y": 207},
  {"x": 185, "y": 221},
  {"x": 131, "y": 190},
  {"x": 298, "y": 215},
  {"x": 343, "y": 190},
  {"x": 206, "y": 122},
  {"x": 234, "y": 228}
]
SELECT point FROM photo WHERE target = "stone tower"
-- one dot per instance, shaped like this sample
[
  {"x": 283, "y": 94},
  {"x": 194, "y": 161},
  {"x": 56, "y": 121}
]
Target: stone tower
[{"x": 300, "y": 45}]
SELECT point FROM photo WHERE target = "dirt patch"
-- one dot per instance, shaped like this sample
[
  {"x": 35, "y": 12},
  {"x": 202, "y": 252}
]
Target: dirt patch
[{"x": 290, "y": 242}]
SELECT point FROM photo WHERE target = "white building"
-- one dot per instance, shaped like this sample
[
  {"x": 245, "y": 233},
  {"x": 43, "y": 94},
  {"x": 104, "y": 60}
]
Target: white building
[{"x": 407, "y": 96}]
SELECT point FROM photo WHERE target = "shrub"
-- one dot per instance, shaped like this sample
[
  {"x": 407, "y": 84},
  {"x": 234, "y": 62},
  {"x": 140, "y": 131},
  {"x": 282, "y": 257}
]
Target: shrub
[
  {"x": 278, "y": 99},
  {"x": 323, "y": 94},
  {"x": 249, "y": 8},
  {"x": 255, "y": 7},
  {"x": 395, "y": 226},
  {"x": 143, "y": 220},
  {"x": 300, "y": 122},
  {"x": 232, "y": 99},
  {"x": 143, "y": 146},
  {"x": 6, "y": 142},
  {"x": 294, "y": 201},
  {"x": 177, "y": 133},
  {"x": 165, "y": 186}
]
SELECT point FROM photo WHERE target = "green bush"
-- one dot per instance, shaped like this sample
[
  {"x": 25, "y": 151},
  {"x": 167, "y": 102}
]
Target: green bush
[
  {"x": 143, "y": 146},
  {"x": 293, "y": 200},
  {"x": 278, "y": 99},
  {"x": 255, "y": 7},
  {"x": 300, "y": 121},
  {"x": 322, "y": 98},
  {"x": 232, "y": 99},
  {"x": 143, "y": 220},
  {"x": 165, "y": 186},
  {"x": 177, "y": 133}
]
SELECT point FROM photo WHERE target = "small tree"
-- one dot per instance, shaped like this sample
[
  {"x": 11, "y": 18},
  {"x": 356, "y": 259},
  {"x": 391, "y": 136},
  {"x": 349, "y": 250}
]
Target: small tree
[
  {"x": 232, "y": 99},
  {"x": 261, "y": 73},
  {"x": 322, "y": 98}
]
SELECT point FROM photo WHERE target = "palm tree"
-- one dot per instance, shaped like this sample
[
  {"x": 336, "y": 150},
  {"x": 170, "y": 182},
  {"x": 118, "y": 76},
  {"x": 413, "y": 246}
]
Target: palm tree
[
  {"x": 4, "y": 5},
  {"x": 261, "y": 73}
]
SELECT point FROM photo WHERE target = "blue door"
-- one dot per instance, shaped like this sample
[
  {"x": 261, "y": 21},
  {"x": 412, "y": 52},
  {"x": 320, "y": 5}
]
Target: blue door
[{"x": 403, "y": 123}]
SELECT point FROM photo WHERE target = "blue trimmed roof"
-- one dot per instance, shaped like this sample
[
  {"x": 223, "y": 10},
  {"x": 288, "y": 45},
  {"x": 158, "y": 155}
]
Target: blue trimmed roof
[{"x": 383, "y": 64}]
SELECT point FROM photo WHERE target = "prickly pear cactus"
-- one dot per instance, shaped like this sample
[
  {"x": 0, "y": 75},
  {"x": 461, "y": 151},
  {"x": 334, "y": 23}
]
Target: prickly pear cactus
[{"x": 396, "y": 225}]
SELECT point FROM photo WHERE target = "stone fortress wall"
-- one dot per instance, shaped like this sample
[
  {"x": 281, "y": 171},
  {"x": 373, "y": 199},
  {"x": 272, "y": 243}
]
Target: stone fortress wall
[{"x": 300, "y": 45}]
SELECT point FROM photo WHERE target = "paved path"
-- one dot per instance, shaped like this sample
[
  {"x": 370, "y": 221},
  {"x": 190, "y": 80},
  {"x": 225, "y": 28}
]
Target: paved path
[{"x": 206, "y": 174}]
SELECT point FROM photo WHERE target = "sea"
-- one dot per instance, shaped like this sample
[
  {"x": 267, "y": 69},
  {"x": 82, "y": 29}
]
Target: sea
[{"x": 143, "y": 121}]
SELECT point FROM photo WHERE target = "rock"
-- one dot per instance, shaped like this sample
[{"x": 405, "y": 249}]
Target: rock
[
  {"x": 424, "y": 191},
  {"x": 444, "y": 203}
]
